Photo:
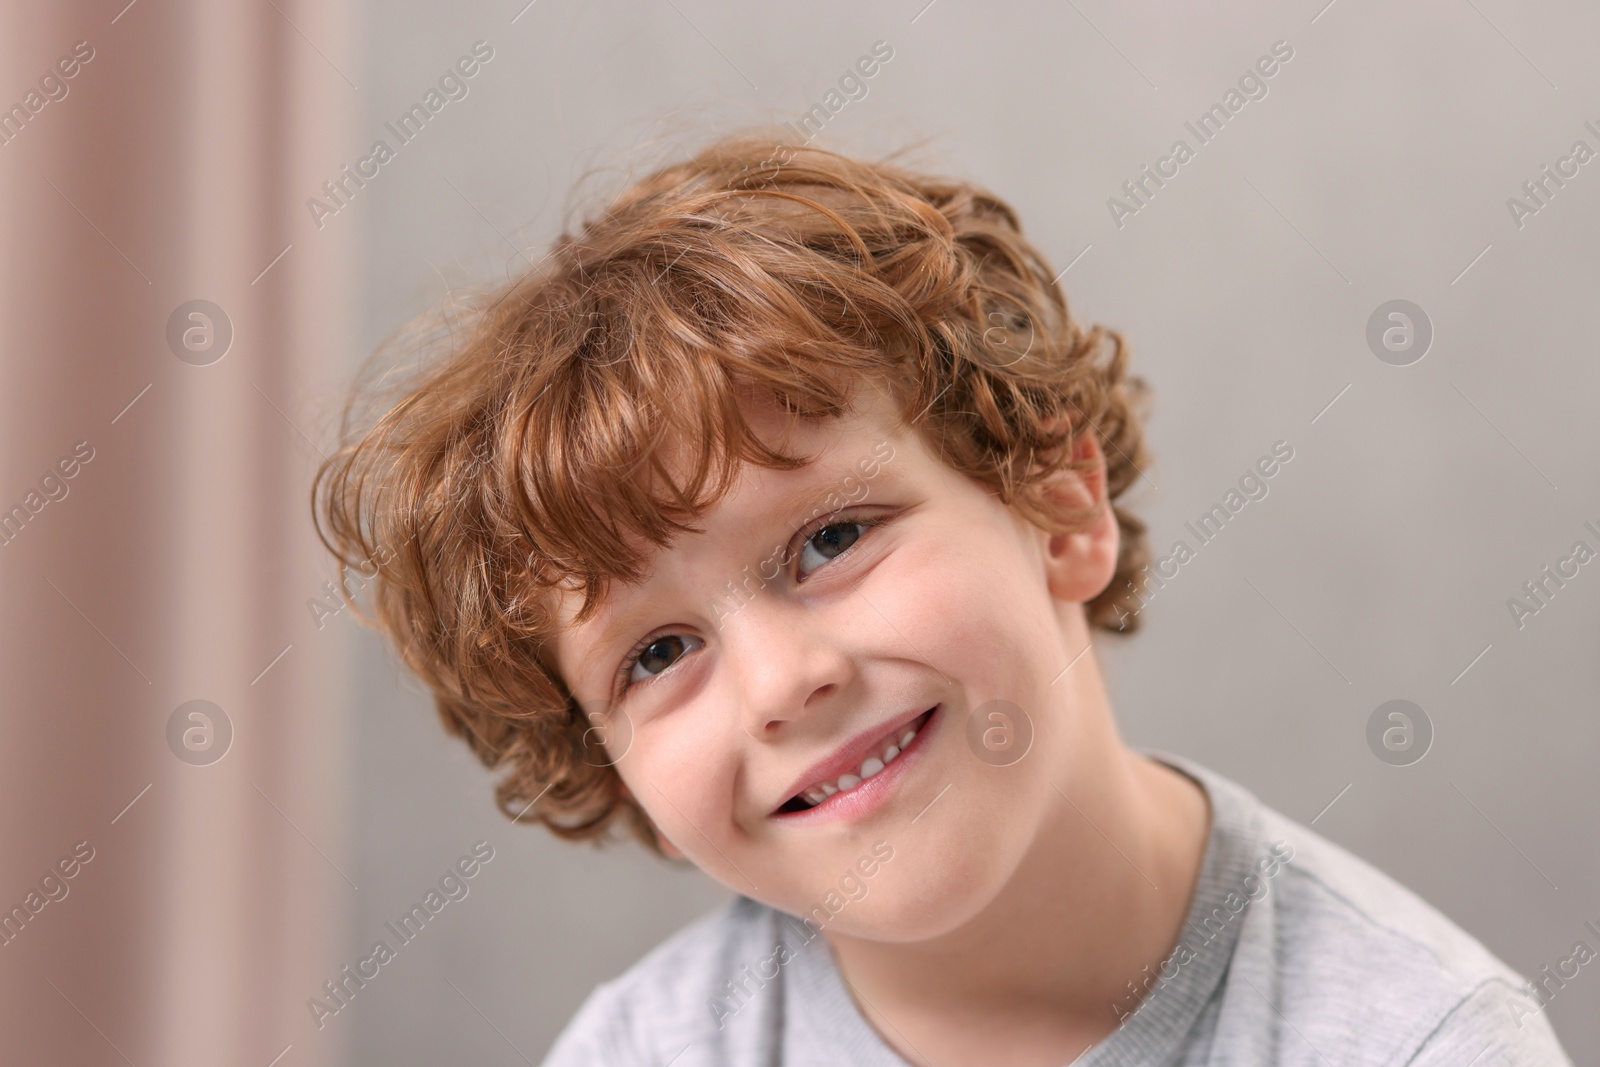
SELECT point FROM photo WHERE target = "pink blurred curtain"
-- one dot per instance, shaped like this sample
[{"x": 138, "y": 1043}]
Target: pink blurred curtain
[{"x": 175, "y": 562}]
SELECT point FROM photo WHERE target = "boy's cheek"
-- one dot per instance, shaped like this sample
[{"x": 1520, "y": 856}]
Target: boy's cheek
[{"x": 688, "y": 803}]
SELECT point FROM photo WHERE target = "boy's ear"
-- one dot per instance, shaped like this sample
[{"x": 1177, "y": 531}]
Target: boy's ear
[
  {"x": 672, "y": 851},
  {"x": 1079, "y": 565}
]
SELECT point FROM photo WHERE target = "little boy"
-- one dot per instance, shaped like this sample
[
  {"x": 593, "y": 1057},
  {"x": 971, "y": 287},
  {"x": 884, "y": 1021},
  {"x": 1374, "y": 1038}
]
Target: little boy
[{"x": 769, "y": 518}]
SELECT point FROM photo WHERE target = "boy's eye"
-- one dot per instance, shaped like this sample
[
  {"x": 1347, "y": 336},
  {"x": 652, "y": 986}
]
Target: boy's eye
[
  {"x": 830, "y": 542},
  {"x": 655, "y": 657}
]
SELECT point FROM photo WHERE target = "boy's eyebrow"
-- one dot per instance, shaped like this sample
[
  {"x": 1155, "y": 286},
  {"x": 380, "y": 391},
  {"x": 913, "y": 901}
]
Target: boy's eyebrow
[
  {"x": 812, "y": 500},
  {"x": 808, "y": 502}
]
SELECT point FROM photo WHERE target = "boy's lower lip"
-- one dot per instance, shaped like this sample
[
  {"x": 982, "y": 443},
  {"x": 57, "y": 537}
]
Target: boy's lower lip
[{"x": 872, "y": 794}]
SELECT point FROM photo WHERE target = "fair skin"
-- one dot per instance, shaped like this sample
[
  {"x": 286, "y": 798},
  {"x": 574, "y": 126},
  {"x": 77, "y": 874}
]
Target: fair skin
[{"x": 1020, "y": 898}]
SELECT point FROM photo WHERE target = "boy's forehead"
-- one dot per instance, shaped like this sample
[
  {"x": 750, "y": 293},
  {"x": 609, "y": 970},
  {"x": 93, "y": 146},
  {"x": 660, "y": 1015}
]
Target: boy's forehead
[{"x": 872, "y": 411}]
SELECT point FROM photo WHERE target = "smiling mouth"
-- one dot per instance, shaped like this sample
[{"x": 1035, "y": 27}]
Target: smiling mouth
[{"x": 885, "y": 754}]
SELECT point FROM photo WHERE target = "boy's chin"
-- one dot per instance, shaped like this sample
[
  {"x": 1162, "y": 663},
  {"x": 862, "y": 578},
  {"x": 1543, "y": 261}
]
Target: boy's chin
[
  {"x": 923, "y": 917},
  {"x": 915, "y": 904}
]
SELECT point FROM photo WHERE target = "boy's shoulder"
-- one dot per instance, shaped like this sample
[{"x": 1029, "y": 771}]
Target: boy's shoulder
[
  {"x": 700, "y": 989},
  {"x": 1336, "y": 896},
  {"x": 1367, "y": 970}
]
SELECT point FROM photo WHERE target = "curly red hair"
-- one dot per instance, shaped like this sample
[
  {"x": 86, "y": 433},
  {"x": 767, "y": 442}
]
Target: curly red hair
[{"x": 526, "y": 461}]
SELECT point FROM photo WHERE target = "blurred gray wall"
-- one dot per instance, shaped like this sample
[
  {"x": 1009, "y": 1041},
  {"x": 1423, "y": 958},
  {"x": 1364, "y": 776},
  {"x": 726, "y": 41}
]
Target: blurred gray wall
[{"x": 1377, "y": 167}]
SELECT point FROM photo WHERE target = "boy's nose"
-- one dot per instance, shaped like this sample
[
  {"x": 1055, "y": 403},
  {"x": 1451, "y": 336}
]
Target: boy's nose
[{"x": 785, "y": 662}]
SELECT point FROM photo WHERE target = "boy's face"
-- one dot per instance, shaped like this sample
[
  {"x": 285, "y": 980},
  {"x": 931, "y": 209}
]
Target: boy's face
[{"x": 870, "y": 587}]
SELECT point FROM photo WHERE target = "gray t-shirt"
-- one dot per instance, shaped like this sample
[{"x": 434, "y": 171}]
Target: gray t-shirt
[{"x": 1294, "y": 952}]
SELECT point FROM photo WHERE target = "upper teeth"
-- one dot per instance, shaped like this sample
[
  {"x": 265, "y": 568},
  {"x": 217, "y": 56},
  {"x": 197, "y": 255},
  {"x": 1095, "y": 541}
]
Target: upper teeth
[{"x": 870, "y": 766}]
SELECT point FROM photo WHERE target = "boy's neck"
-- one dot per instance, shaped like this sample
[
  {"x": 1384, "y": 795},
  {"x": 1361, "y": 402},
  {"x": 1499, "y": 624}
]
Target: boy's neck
[{"x": 1042, "y": 970}]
